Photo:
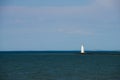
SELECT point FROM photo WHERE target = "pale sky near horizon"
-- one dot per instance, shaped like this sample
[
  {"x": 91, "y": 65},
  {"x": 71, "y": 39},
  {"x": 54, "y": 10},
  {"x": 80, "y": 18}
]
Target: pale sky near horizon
[{"x": 59, "y": 24}]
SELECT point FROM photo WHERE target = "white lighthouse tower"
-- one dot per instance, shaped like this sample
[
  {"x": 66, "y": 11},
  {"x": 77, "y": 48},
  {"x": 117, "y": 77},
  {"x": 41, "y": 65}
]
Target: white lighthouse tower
[{"x": 82, "y": 49}]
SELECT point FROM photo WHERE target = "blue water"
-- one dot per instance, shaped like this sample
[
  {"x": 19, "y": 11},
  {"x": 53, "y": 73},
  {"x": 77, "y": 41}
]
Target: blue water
[{"x": 56, "y": 65}]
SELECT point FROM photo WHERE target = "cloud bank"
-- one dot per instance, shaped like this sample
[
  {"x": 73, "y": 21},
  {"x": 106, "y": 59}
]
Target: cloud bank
[{"x": 105, "y": 11}]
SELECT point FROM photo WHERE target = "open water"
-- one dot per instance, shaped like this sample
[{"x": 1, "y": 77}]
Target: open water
[{"x": 60, "y": 65}]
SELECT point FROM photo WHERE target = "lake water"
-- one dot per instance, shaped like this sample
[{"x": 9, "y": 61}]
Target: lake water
[{"x": 59, "y": 65}]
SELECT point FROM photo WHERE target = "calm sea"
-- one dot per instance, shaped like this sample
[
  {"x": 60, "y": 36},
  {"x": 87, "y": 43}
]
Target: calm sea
[{"x": 60, "y": 65}]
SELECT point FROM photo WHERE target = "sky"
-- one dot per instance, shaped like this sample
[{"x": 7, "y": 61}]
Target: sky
[{"x": 59, "y": 25}]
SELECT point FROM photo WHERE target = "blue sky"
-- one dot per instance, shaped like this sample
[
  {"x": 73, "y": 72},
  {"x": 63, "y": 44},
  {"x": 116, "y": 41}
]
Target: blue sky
[{"x": 59, "y": 24}]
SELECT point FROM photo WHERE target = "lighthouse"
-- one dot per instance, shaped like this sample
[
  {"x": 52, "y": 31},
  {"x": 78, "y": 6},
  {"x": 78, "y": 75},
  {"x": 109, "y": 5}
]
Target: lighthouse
[{"x": 82, "y": 49}]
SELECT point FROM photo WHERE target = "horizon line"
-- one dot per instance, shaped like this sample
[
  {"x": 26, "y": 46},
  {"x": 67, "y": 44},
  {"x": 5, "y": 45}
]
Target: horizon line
[{"x": 50, "y": 50}]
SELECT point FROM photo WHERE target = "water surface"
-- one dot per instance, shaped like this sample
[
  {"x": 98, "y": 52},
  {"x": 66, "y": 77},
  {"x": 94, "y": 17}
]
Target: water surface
[{"x": 59, "y": 65}]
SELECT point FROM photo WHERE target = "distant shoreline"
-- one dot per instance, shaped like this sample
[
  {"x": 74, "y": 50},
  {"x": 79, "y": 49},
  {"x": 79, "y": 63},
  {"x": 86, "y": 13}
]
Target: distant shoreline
[
  {"x": 59, "y": 51},
  {"x": 63, "y": 52}
]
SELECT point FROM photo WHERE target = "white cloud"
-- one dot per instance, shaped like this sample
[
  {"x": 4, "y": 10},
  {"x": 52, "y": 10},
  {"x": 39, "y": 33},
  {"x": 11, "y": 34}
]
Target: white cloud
[
  {"x": 75, "y": 31},
  {"x": 107, "y": 3},
  {"x": 45, "y": 10},
  {"x": 96, "y": 6}
]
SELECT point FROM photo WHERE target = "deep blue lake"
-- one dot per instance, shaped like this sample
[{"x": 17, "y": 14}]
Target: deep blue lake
[{"x": 60, "y": 65}]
